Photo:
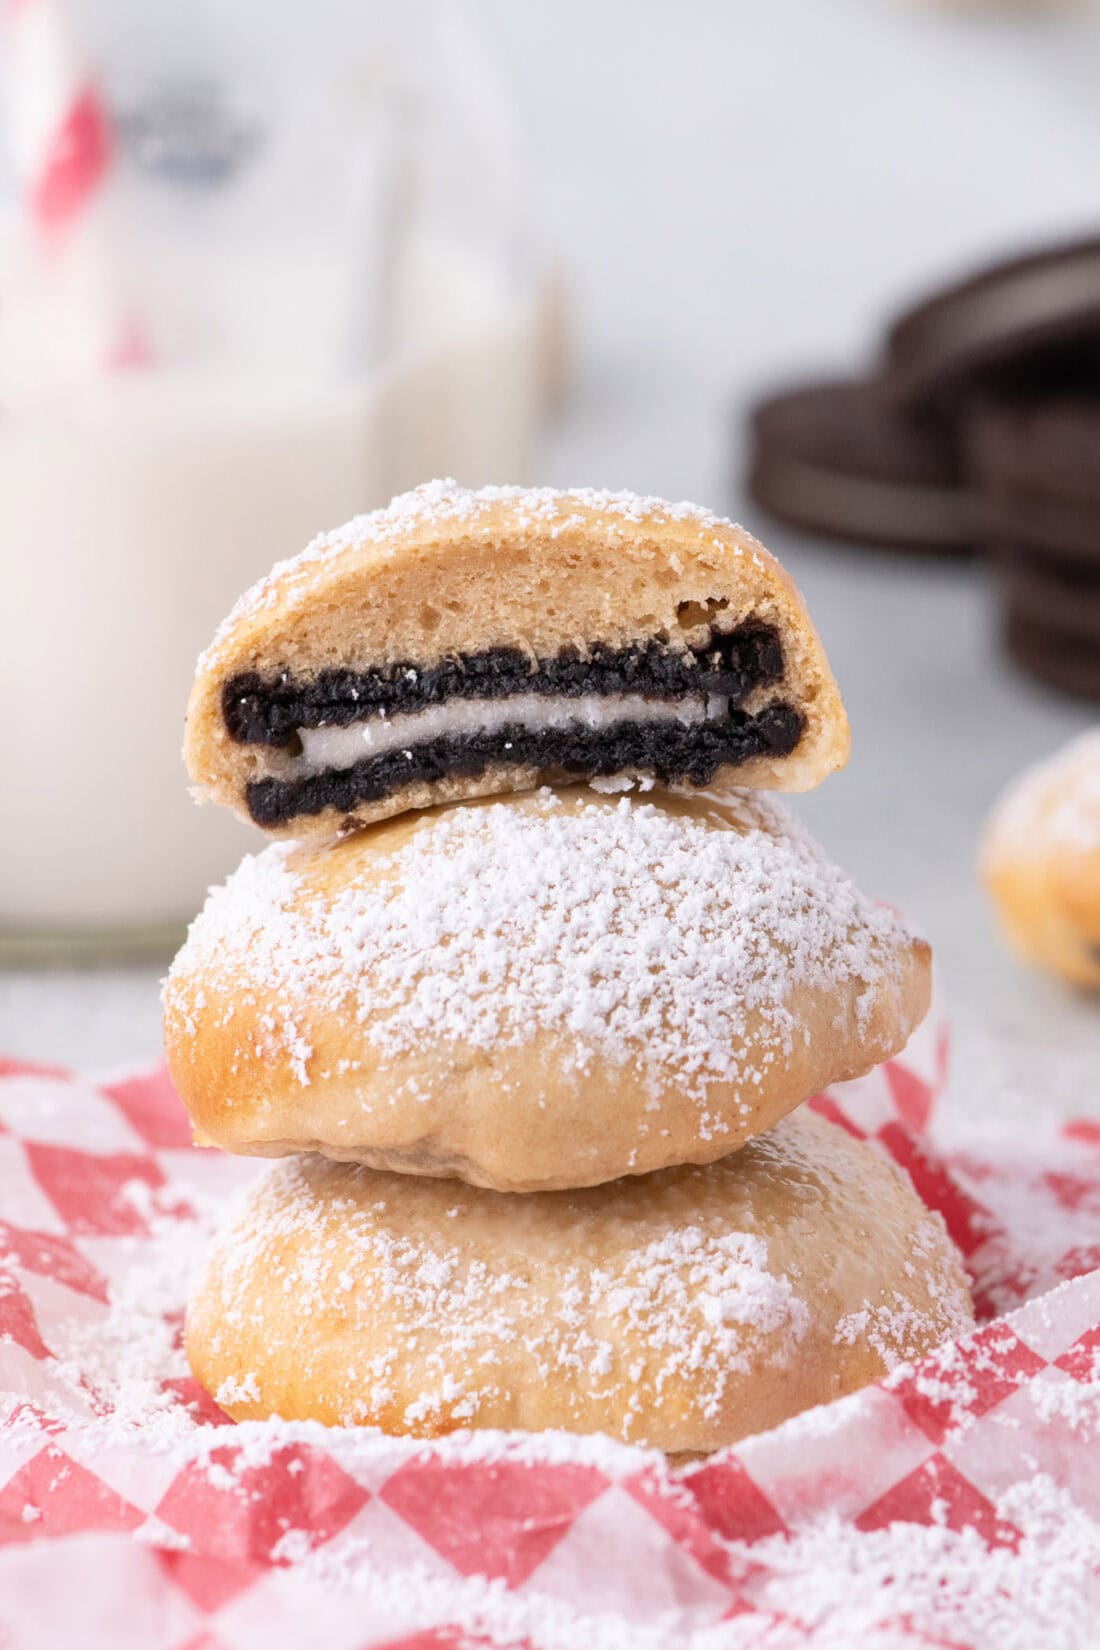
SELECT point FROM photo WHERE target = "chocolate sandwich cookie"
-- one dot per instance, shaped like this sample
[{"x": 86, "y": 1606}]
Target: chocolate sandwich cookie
[
  {"x": 1036, "y": 469},
  {"x": 458, "y": 644},
  {"x": 1066, "y": 661},
  {"x": 1025, "y": 322},
  {"x": 837, "y": 459},
  {"x": 1052, "y": 598}
]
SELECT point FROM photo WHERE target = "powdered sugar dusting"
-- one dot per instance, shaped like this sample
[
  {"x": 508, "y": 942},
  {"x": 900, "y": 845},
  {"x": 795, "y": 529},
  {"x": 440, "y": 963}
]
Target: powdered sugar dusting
[
  {"x": 637, "y": 934},
  {"x": 897, "y": 1330},
  {"x": 443, "y": 504},
  {"x": 690, "y": 1303}
]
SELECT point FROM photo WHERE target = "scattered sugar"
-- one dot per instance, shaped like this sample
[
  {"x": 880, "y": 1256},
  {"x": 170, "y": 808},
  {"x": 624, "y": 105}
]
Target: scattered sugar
[
  {"x": 242, "y": 1390},
  {"x": 125, "y": 1359},
  {"x": 634, "y": 934},
  {"x": 1038, "y": 1209},
  {"x": 827, "y": 1582},
  {"x": 893, "y": 1327},
  {"x": 490, "y": 1612},
  {"x": 836, "y": 1586},
  {"x": 1073, "y": 1402},
  {"x": 443, "y": 504},
  {"x": 828, "y": 1585}
]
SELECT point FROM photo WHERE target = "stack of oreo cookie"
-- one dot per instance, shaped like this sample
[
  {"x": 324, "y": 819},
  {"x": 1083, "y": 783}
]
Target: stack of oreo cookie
[
  {"x": 979, "y": 430},
  {"x": 530, "y": 983},
  {"x": 1036, "y": 463}
]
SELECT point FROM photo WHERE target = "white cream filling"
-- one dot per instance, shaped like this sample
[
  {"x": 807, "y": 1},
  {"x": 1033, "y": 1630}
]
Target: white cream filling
[{"x": 335, "y": 748}]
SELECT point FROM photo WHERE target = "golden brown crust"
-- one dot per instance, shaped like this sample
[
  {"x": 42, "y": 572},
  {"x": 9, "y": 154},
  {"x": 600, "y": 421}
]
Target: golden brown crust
[
  {"x": 447, "y": 572},
  {"x": 1040, "y": 861},
  {"x": 684, "y": 1311},
  {"x": 551, "y": 990}
]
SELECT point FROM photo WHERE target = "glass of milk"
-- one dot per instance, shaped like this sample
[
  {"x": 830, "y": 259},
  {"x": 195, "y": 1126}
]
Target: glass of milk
[
  {"x": 131, "y": 522},
  {"x": 310, "y": 339}
]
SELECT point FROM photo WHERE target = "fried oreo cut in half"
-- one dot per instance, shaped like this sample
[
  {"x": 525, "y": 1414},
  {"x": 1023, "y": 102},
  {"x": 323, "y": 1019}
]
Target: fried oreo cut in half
[{"x": 458, "y": 644}]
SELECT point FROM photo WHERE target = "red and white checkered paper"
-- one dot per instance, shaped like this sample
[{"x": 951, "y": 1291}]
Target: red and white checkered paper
[{"x": 280, "y": 1536}]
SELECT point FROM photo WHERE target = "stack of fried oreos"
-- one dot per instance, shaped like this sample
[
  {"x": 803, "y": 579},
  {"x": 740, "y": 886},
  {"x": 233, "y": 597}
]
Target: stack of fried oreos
[
  {"x": 524, "y": 991},
  {"x": 979, "y": 429}
]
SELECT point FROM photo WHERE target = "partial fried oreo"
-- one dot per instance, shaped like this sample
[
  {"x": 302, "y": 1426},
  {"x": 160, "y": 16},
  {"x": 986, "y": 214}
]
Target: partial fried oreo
[
  {"x": 1040, "y": 861},
  {"x": 683, "y": 1311},
  {"x": 459, "y": 644},
  {"x": 549, "y": 990}
]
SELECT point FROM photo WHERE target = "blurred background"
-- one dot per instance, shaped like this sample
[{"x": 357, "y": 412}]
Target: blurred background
[{"x": 262, "y": 266}]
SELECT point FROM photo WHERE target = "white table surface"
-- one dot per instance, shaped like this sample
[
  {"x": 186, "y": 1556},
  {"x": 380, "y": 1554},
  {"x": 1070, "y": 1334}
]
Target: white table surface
[{"x": 742, "y": 192}]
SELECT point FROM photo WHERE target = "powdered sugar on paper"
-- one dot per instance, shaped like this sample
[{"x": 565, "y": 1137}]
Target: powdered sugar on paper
[{"x": 954, "y": 1505}]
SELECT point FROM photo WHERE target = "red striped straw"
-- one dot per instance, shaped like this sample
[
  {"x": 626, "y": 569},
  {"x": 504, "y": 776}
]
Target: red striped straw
[{"x": 63, "y": 145}]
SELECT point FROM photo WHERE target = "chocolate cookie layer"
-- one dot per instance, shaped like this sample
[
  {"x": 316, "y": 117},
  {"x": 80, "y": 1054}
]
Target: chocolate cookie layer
[
  {"x": 669, "y": 751},
  {"x": 271, "y": 712}
]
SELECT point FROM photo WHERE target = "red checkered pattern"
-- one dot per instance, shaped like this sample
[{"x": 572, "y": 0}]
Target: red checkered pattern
[{"x": 237, "y": 1537}]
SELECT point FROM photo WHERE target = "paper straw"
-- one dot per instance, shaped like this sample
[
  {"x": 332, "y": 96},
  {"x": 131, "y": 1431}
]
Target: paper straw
[
  {"x": 64, "y": 152},
  {"x": 61, "y": 136}
]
